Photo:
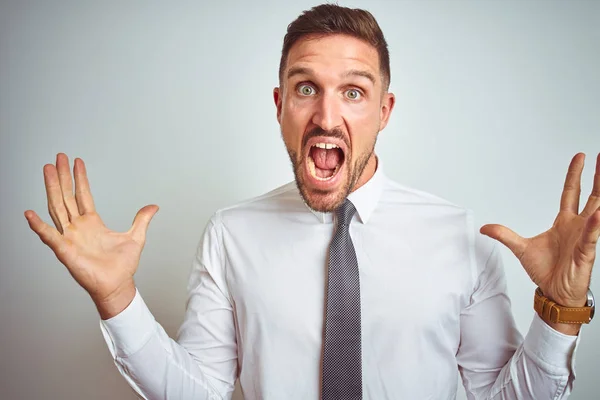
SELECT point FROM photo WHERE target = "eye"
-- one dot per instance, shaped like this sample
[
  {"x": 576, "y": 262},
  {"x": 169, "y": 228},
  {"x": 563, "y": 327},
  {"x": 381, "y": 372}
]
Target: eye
[
  {"x": 353, "y": 94},
  {"x": 306, "y": 90}
]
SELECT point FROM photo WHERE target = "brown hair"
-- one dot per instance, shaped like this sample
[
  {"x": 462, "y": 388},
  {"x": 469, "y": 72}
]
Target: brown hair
[{"x": 327, "y": 19}]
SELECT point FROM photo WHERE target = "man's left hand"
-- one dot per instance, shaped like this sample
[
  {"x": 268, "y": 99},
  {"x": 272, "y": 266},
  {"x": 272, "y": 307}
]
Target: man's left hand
[{"x": 560, "y": 260}]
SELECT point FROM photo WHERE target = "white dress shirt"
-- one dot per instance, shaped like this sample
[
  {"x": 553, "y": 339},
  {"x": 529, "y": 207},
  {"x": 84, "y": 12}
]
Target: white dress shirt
[{"x": 433, "y": 305}]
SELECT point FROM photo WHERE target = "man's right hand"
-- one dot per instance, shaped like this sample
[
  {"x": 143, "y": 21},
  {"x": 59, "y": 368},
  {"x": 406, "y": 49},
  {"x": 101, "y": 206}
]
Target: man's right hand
[{"x": 102, "y": 261}]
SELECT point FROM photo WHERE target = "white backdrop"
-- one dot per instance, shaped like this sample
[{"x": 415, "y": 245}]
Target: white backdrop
[{"x": 170, "y": 103}]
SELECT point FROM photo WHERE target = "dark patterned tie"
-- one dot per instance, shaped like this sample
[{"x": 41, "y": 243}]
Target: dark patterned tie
[{"x": 342, "y": 371}]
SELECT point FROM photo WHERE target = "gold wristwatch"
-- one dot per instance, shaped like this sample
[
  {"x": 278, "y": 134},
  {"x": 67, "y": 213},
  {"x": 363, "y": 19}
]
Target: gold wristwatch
[{"x": 549, "y": 311}]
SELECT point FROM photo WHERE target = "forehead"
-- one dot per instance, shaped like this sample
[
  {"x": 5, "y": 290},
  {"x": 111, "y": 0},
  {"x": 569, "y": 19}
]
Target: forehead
[{"x": 333, "y": 54}]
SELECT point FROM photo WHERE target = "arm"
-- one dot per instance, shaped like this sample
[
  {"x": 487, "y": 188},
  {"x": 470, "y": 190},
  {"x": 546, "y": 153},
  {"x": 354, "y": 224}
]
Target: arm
[
  {"x": 559, "y": 261},
  {"x": 103, "y": 262},
  {"x": 495, "y": 362},
  {"x": 202, "y": 364}
]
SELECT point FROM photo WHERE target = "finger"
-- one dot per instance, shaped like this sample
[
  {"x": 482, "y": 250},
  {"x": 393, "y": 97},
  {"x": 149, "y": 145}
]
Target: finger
[
  {"x": 569, "y": 200},
  {"x": 83, "y": 195},
  {"x": 589, "y": 238},
  {"x": 507, "y": 237},
  {"x": 593, "y": 201},
  {"x": 56, "y": 206},
  {"x": 66, "y": 184},
  {"x": 141, "y": 222},
  {"x": 50, "y": 236}
]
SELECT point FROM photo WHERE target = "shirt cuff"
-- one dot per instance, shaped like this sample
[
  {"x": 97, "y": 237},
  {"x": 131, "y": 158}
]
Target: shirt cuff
[
  {"x": 128, "y": 331},
  {"x": 554, "y": 351}
]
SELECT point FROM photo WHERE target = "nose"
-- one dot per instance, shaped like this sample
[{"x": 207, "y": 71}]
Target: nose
[{"x": 328, "y": 112}]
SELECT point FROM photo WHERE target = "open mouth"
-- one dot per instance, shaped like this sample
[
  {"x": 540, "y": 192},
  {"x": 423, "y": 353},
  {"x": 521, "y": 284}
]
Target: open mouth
[{"x": 324, "y": 161}]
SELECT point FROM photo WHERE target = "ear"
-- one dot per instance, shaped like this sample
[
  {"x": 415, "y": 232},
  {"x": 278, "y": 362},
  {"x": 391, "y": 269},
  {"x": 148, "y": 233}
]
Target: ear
[
  {"x": 277, "y": 96},
  {"x": 387, "y": 105}
]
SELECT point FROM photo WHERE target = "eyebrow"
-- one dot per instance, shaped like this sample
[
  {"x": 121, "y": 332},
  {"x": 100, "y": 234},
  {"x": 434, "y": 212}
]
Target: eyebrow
[
  {"x": 358, "y": 72},
  {"x": 353, "y": 72},
  {"x": 299, "y": 71}
]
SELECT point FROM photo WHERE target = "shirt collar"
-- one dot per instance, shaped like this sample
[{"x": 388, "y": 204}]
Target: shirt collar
[{"x": 364, "y": 199}]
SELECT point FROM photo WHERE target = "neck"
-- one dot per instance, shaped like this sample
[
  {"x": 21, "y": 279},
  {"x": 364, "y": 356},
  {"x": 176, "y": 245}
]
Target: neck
[{"x": 367, "y": 173}]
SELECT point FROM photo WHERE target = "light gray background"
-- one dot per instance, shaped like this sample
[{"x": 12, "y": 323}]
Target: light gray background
[{"x": 170, "y": 103}]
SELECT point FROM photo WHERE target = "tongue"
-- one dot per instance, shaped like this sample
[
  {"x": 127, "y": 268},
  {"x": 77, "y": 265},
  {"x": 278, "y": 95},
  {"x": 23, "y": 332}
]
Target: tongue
[{"x": 326, "y": 158}]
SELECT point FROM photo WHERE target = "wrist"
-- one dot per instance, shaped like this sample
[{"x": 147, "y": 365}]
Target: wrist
[
  {"x": 564, "y": 302},
  {"x": 563, "y": 319},
  {"x": 113, "y": 304},
  {"x": 567, "y": 329}
]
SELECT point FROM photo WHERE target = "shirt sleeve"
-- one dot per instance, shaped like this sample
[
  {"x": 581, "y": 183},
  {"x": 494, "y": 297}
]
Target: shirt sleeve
[
  {"x": 494, "y": 360},
  {"x": 202, "y": 363}
]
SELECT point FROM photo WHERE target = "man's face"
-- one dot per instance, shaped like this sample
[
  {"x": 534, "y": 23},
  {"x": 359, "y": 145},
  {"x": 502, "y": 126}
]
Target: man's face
[{"x": 331, "y": 105}]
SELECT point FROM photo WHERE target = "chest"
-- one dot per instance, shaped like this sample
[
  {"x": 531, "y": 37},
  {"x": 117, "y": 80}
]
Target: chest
[{"x": 278, "y": 283}]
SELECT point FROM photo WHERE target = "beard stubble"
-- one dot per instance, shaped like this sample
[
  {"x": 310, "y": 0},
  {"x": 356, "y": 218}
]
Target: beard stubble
[{"x": 325, "y": 201}]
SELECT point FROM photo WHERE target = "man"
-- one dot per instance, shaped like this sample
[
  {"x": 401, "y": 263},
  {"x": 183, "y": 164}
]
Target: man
[{"x": 344, "y": 285}]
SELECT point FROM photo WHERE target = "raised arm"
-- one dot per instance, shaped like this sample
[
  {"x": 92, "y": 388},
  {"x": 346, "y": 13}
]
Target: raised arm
[
  {"x": 203, "y": 364},
  {"x": 493, "y": 361}
]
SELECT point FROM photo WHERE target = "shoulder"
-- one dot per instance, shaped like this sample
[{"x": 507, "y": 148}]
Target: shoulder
[
  {"x": 436, "y": 215},
  {"x": 406, "y": 197},
  {"x": 283, "y": 199}
]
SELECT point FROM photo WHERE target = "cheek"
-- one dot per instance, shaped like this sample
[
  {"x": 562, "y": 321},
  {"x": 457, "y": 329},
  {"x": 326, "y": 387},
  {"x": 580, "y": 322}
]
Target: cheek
[
  {"x": 295, "y": 117},
  {"x": 363, "y": 126}
]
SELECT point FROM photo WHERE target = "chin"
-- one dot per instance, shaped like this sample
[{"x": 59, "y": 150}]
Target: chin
[{"x": 323, "y": 200}]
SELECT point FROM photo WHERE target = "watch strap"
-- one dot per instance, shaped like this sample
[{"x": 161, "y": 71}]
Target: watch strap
[{"x": 549, "y": 311}]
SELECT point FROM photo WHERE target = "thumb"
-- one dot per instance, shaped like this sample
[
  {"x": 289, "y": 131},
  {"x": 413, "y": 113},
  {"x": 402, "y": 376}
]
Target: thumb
[
  {"x": 506, "y": 236},
  {"x": 141, "y": 221}
]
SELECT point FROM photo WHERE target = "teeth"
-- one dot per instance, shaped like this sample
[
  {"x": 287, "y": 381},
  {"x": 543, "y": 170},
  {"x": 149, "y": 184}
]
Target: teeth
[{"x": 326, "y": 146}]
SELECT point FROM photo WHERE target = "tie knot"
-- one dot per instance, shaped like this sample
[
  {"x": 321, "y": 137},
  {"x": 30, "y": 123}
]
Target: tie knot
[{"x": 344, "y": 213}]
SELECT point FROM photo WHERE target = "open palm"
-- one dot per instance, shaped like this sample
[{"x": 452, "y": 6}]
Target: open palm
[
  {"x": 560, "y": 260},
  {"x": 102, "y": 261}
]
